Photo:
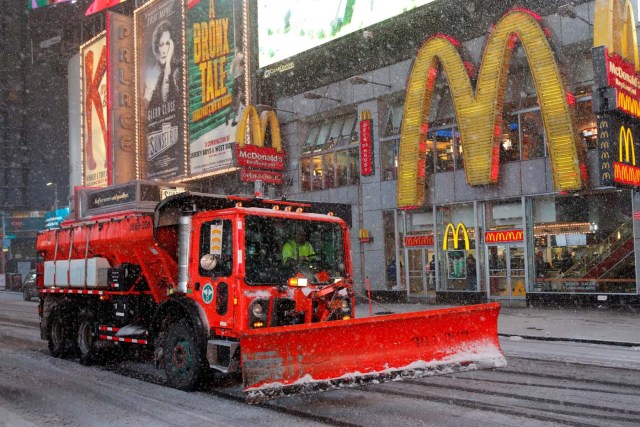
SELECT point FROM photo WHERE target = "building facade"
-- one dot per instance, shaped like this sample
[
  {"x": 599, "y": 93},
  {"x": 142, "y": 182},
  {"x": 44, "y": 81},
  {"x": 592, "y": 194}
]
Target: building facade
[{"x": 452, "y": 206}]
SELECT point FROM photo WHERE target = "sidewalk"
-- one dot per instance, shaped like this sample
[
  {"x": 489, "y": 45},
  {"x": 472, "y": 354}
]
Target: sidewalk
[{"x": 583, "y": 324}]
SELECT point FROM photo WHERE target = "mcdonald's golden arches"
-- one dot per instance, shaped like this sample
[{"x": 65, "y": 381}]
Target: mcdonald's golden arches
[{"x": 455, "y": 234}]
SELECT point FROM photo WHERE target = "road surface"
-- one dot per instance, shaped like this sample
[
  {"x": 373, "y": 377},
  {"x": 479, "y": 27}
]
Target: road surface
[{"x": 546, "y": 383}]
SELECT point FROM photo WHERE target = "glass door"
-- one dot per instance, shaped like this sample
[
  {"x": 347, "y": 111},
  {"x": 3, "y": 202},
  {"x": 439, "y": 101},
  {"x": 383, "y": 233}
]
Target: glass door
[
  {"x": 421, "y": 271},
  {"x": 506, "y": 271}
]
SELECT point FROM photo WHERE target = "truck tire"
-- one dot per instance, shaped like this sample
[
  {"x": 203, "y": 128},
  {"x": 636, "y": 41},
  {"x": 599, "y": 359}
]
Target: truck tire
[
  {"x": 61, "y": 336},
  {"x": 184, "y": 359},
  {"x": 86, "y": 341}
]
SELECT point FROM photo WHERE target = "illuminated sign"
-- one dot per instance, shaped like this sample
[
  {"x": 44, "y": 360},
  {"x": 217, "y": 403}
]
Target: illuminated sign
[
  {"x": 419, "y": 240},
  {"x": 614, "y": 27},
  {"x": 121, "y": 98},
  {"x": 455, "y": 235},
  {"x": 216, "y": 79},
  {"x": 366, "y": 143},
  {"x": 258, "y": 126},
  {"x": 289, "y": 27},
  {"x": 260, "y": 157},
  {"x": 479, "y": 110},
  {"x": 615, "y": 58},
  {"x": 618, "y": 138},
  {"x": 251, "y": 175},
  {"x": 161, "y": 89},
  {"x": 503, "y": 236},
  {"x": 95, "y": 142}
]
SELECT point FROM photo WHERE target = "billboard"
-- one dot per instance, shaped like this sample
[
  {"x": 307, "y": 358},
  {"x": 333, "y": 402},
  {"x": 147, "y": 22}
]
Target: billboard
[
  {"x": 216, "y": 70},
  {"x": 289, "y": 27},
  {"x": 160, "y": 92},
  {"x": 95, "y": 147}
]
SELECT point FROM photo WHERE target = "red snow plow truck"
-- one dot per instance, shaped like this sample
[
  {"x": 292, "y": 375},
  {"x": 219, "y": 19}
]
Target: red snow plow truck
[{"x": 200, "y": 281}]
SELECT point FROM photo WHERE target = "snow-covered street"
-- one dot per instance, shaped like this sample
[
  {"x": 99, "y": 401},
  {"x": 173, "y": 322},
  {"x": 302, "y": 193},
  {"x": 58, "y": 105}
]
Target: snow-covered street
[{"x": 546, "y": 383}]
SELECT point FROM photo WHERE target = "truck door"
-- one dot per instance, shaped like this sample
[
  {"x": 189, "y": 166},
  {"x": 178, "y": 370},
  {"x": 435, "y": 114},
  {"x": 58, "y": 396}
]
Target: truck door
[{"x": 215, "y": 270}]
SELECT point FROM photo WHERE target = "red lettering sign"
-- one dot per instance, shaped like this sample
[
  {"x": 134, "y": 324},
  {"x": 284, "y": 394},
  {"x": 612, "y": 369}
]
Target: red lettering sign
[
  {"x": 626, "y": 174},
  {"x": 503, "y": 236},
  {"x": 260, "y": 157},
  {"x": 421, "y": 240},
  {"x": 270, "y": 177},
  {"x": 366, "y": 157}
]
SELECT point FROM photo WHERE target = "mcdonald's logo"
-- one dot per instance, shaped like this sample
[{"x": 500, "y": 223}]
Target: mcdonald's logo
[
  {"x": 258, "y": 126},
  {"x": 455, "y": 235},
  {"x": 626, "y": 140},
  {"x": 503, "y": 236},
  {"x": 479, "y": 110}
]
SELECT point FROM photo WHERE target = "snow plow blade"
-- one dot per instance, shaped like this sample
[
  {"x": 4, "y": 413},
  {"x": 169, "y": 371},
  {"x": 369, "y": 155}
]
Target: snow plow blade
[{"x": 308, "y": 358}]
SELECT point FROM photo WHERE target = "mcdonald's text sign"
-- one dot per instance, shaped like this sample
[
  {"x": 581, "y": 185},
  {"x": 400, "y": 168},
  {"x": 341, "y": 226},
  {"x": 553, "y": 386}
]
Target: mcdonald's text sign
[
  {"x": 618, "y": 138},
  {"x": 260, "y": 157},
  {"x": 419, "y": 240},
  {"x": 503, "y": 236}
]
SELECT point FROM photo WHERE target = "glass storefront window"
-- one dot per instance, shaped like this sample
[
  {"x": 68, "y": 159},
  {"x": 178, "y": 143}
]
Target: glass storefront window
[
  {"x": 584, "y": 244},
  {"x": 329, "y": 171},
  {"x": 394, "y": 120},
  {"x": 333, "y": 166},
  {"x": 305, "y": 174},
  {"x": 354, "y": 169},
  {"x": 316, "y": 173},
  {"x": 533, "y": 139},
  {"x": 443, "y": 139},
  {"x": 510, "y": 144},
  {"x": 457, "y": 263},
  {"x": 389, "y": 159},
  {"x": 586, "y": 120}
]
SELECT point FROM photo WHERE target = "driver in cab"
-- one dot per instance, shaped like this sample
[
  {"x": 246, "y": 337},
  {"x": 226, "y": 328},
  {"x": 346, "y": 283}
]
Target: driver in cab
[{"x": 298, "y": 249}]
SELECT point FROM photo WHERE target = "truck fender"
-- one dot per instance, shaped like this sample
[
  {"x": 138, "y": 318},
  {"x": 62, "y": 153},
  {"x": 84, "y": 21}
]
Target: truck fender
[{"x": 180, "y": 307}]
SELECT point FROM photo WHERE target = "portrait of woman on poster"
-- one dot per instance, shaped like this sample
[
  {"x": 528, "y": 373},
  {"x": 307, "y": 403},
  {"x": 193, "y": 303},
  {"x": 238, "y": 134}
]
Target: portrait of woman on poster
[{"x": 162, "y": 81}]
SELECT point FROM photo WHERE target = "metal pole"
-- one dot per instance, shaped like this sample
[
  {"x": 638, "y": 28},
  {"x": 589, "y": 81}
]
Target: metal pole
[{"x": 55, "y": 197}]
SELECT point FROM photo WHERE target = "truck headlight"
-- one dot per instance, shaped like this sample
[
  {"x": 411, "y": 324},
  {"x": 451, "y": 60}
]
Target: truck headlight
[{"x": 258, "y": 311}]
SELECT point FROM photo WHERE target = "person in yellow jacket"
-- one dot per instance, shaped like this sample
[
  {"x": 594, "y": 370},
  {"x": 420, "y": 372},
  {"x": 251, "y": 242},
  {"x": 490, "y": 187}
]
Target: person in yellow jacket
[{"x": 299, "y": 249}]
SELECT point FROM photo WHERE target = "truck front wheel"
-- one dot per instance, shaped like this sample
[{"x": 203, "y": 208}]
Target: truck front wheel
[{"x": 184, "y": 359}]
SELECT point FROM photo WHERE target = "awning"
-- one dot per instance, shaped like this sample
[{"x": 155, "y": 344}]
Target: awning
[{"x": 99, "y": 5}]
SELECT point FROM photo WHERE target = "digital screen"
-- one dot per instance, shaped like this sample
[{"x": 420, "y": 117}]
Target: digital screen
[{"x": 289, "y": 27}]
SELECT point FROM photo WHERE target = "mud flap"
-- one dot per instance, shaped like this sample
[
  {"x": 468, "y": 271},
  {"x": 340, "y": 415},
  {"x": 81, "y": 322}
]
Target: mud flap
[{"x": 308, "y": 358}]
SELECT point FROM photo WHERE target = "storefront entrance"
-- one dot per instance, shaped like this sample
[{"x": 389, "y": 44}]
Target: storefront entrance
[
  {"x": 422, "y": 275},
  {"x": 506, "y": 271}
]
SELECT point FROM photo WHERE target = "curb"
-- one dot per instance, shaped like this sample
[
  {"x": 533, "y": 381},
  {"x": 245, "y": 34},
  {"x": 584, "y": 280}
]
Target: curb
[{"x": 580, "y": 340}]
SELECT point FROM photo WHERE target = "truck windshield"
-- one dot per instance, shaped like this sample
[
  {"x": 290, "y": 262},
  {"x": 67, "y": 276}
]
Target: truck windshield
[{"x": 278, "y": 248}]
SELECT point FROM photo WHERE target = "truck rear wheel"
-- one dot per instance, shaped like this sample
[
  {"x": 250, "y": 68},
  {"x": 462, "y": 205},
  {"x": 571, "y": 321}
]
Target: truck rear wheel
[
  {"x": 61, "y": 335},
  {"x": 184, "y": 359},
  {"x": 86, "y": 341}
]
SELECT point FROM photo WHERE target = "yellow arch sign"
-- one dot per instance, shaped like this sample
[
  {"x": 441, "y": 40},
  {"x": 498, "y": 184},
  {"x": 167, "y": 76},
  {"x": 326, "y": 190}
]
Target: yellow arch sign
[
  {"x": 258, "y": 127},
  {"x": 614, "y": 27},
  {"x": 479, "y": 112}
]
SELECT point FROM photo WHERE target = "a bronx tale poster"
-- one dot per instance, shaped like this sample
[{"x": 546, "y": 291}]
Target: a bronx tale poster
[
  {"x": 161, "y": 129},
  {"x": 95, "y": 147},
  {"x": 216, "y": 82}
]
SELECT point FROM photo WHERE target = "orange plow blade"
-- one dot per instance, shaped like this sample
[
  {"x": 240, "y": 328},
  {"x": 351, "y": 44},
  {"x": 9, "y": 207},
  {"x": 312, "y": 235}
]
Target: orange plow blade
[{"x": 322, "y": 356}]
